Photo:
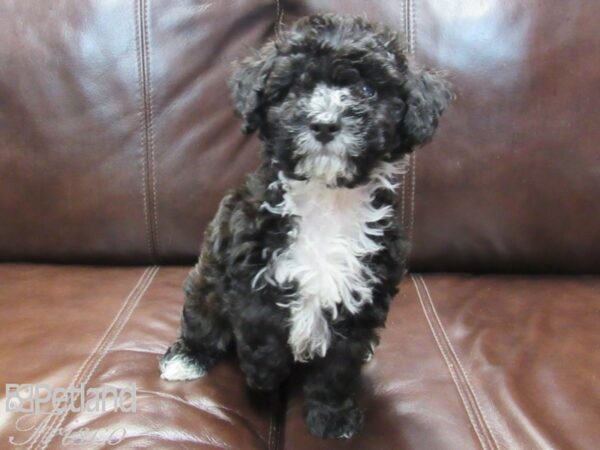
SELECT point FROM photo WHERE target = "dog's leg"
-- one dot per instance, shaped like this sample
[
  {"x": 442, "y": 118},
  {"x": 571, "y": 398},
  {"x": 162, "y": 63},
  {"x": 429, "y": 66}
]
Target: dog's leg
[
  {"x": 329, "y": 390},
  {"x": 261, "y": 343},
  {"x": 205, "y": 335}
]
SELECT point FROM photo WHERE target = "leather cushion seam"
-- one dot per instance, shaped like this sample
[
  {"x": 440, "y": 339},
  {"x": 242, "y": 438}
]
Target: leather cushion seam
[
  {"x": 464, "y": 372},
  {"x": 413, "y": 160},
  {"x": 47, "y": 432},
  {"x": 150, "y": 126},
  {"x": 146, "y": 127},
  {"x": 46, "y": 422},
  {"x": 452, "y": 366}
]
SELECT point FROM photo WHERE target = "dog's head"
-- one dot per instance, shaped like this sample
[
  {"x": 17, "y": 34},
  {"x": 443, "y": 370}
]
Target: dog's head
[{"x": 334, "y": 96}]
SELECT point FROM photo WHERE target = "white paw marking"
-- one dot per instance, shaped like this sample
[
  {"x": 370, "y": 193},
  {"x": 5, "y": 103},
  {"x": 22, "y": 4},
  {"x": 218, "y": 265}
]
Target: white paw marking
[{"x": 180, "y": 368}]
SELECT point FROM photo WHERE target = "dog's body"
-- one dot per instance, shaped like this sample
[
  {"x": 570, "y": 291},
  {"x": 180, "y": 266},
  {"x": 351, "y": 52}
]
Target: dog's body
[{"x": 300, "y": 264}]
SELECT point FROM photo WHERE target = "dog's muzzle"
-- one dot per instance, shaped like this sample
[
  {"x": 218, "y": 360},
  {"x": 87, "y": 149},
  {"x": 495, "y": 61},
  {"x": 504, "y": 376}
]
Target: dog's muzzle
[{"x": 325, "y": 132}]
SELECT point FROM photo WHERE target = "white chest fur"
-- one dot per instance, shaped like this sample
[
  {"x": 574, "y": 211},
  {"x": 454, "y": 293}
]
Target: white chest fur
[{"x": 334, "y": 231}]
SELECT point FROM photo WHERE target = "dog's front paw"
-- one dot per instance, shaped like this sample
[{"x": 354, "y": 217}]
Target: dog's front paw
[
  {"x": 179, "y": 364},
  {"x": 328, "y": 422}
]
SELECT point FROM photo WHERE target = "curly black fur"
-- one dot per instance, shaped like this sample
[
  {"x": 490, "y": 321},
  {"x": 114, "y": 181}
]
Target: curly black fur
[{"x": 389, "y": 107}]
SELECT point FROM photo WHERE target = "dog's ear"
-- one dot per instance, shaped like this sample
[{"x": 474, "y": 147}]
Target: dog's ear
[
  {"x": 428, "y": 94},
  {"x": 248, "y": 84}
]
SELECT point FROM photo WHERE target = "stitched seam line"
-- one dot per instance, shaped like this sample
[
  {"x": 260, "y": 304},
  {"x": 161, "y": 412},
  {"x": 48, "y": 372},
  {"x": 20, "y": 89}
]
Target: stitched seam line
[
  {"x": 120, "y": 320},
  {"x": 412, "y": 197},
  {"x": 465, "y": 376},
  {"x": 150, "y": 127},
  {"x": 409, "y": 177},
  {"x": 402, "y": 199},
  {"x": 412, "y": 24},
  {"x": 142, "y": 119},
  {"x": 406, "y": 190},
  {"x": 453, "y": 373},
  {"x": 404, "y": 174},
  {"x": 43, "y": 426},
  {"x": 146, "y": 133},
  {"x": 90, "y": 365},
  {"x": 402, "y": 193}
]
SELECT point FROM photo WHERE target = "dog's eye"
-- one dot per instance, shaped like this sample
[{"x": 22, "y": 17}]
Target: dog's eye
[{"x": 367, "y": 90}]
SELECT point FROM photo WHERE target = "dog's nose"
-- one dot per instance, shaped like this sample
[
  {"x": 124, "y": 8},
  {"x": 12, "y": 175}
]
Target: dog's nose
[{"x": 324, "y": 131}]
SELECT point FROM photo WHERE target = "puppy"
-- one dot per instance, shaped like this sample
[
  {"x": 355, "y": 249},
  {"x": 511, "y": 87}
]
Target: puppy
[{"x": 300, "y": 264}]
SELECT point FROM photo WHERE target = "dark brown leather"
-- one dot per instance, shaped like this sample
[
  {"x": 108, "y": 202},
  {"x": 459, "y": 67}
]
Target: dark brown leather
[
  {"x": 511, "y": 182},
  {"x": 108, "y": 326},
  {"x": 117, "y": 137},
  {"x": 494, "y": 362},
  {"x": 117, "y": 141}
]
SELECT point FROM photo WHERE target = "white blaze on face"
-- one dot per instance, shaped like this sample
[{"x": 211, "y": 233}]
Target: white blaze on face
[
  {"x": 328, "y": 162},
  {"x": 328, "y": 103}
]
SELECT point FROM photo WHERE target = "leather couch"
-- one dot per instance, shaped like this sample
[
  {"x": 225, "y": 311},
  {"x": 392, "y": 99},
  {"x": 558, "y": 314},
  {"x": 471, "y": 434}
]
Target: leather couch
[{"x": 117, "y": 141}]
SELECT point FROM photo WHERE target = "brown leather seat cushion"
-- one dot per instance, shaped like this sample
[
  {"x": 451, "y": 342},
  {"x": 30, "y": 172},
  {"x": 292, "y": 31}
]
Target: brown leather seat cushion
[
  {"x": 72, "y": 325},
  {"x": 494, "y": 362},
  {"x": 465, "y": 362}
]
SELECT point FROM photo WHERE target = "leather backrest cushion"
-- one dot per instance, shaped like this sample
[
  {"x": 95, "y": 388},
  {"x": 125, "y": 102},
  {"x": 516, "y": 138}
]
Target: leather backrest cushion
[
  {"x": 511, "y": 183},
  {"x": 117, "y": 137}
]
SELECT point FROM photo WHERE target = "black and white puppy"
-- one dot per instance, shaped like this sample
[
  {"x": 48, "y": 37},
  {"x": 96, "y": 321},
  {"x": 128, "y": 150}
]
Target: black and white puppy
[{"x": 300, "y": 263}]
